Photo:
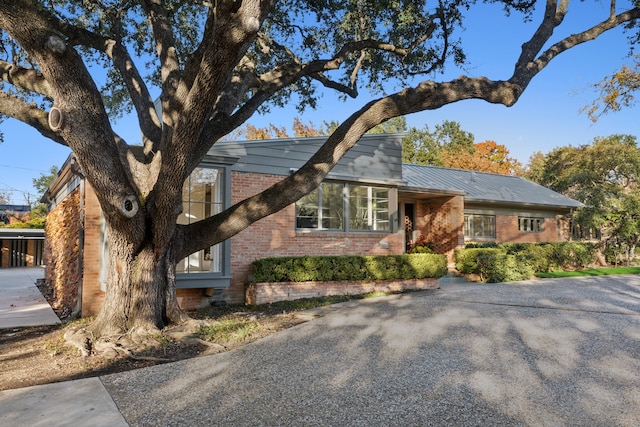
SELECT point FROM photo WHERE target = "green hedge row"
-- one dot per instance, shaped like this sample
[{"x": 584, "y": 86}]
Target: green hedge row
[
  {"x": 518, "y": 261},
  {"x": 350, "y": 267}
]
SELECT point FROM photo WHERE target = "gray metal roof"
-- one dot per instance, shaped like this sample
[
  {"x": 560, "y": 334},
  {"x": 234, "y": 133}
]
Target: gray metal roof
[
  {"x": 482, "y": 187},
  {"x": 21, "y": 233}
]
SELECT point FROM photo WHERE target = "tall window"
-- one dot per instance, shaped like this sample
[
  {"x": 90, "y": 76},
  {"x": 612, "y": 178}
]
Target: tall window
[
  {"x": 202, "y": 197},
  {"x": 530, "y": 225},
  {"x": 367, "y": 208},
  {"x": 479, "y": 226}
]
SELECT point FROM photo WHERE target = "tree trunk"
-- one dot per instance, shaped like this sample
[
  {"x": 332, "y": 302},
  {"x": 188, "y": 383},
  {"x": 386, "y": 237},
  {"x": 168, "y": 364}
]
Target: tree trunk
[{"x": 140, "y": 289}]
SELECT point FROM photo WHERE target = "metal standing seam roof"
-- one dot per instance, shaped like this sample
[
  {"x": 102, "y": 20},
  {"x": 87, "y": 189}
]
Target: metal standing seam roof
[{"x": 482, "y": 187}]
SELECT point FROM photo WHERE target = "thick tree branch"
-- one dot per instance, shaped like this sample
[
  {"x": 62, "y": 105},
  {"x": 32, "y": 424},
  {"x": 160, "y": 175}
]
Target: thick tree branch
[
  {"x": 25, "y": 78},
  {"x": 528, "y": 65},
  {"x": 28, "y": 113},
  {"x": 165, "y": 45},
  {"x": 273, "y": 81},
  {"x": 78, "y": 115},
  {"x": 150, "y": 124},
  {"x": 426, "y": 96}
]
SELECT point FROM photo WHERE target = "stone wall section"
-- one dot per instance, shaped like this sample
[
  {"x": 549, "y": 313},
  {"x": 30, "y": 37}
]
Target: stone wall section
[
  {"x": 266, "y": 293},
  {"x": 62, "y": 251}
]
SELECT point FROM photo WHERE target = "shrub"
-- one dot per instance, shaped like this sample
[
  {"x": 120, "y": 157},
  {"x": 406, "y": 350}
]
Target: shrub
[
  {"x": 528, "y": 258},
  {"x": 328, "y": 268},
  {"x": 480, "y": 245},
  {"x": 495, "y": 267},
  {"x": 420, "y": 249},
  {"x": 466, "y": 259},
  {"x": 573, "y": 254},
  {"x": 539, "y": 257},
  {"x": 427, "y": 266}
]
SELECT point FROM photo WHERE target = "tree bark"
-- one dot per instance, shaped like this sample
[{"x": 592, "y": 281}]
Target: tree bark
[{"x": 140, "y": 292}]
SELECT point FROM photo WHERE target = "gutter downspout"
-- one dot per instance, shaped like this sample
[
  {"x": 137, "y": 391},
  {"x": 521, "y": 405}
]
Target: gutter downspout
[
  {"x": 78, "y": 173},
  {"x": 80, "y": 250}
]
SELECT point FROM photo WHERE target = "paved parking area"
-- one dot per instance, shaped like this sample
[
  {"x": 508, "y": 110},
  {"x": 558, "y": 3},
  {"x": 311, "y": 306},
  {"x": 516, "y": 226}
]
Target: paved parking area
[
  {"x": 539, "y": 353},
  {"x": 561, "y": 352},
  {"x": 21, "y": 303}
]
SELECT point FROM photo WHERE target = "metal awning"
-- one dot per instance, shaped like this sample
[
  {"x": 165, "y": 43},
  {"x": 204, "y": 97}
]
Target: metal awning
[{"x": 22, "y": 233}]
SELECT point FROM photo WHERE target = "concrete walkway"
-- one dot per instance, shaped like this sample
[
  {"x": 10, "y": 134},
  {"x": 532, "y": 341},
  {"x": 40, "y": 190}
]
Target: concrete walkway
[
  {"x": 552, "y": 352},
  {"x": 21, "y": 303}
]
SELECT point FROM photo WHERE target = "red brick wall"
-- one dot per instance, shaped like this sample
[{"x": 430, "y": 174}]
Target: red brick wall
[
  {"x": 190, "y": 299},
  {"x": 507, "y": 231},
  {"x": 276, "y": 236},
  {"x": 440, "y": 220},
  {"x": 92, "y": 296}
]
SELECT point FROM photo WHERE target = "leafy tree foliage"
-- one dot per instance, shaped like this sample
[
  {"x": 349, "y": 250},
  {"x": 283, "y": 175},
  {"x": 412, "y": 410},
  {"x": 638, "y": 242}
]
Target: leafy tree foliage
[
  {"x": 605, "y": 176},
  {"x": 42, "y": 182},
  {"x": 616, "y": 91},
  {"x": 428, "y": 147},
  {"x": 534, "y": 169},
  {"x": 69, "y": 67},
  {"x": 487, "y": 156},
  {"x": 391, "y": 126}
]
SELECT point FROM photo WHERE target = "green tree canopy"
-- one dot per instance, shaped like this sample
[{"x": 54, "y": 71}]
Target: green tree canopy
[
  {"x": 616, "y": 91},
  {"x": 426, "y": 147},
  {"x": 605, "y": 176},
  {"x": 42, "y": 182}
]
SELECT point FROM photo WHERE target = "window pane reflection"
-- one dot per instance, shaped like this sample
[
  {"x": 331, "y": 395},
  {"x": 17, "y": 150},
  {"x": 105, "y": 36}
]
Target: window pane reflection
[{"x": 202, "y": 196}]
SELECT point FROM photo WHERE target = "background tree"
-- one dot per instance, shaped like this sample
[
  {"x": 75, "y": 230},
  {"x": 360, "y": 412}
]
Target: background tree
[
  {"x": 301, "y": 130},
  {"x": 486, "y": 156},
  {"x": 44, "y": 181},
  {"x": 534, "y": 169},
  {"x": 392, "y": 126},
  {"x": 605, "y": 176},
  {"x": 426, "y": 147},
  {"x": 215, "y": 64},
  {"x": 616, "y": 91}
]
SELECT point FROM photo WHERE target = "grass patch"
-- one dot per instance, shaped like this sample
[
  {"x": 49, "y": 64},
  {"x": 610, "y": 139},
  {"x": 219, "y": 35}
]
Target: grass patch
[
  {"x": 219, "y": 312},
  {"x": 239, "y": 323},
  {"x": 607, "y": 271},
  {"x": 230, "y": 330}
]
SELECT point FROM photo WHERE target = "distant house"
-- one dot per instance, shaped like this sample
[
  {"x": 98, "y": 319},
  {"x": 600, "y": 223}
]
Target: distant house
[
  {"x": 370, "y": 203},
  {"x": 19, "y": 247}
]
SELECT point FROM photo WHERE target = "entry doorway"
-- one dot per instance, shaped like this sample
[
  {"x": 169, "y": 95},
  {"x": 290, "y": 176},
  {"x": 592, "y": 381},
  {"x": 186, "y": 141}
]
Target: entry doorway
[{"x": 410, "y": 232}]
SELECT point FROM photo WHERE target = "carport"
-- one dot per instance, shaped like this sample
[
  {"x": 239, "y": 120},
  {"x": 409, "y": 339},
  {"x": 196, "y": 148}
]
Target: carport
[{"x": 21, "y": 247}]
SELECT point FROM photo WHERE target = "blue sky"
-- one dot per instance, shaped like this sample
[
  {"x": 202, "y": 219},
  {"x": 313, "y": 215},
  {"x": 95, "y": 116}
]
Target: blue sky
[{"x": 546, "y": 116}]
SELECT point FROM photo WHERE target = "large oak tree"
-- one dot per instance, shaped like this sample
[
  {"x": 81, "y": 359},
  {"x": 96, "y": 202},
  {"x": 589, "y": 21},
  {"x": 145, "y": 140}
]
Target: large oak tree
[{"x": 215, "y": 64}]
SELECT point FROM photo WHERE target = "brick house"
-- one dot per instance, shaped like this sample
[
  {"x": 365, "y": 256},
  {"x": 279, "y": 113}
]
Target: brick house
[
  {"x": 19, "y": 247},
  {"x": 370, "y": 203}
]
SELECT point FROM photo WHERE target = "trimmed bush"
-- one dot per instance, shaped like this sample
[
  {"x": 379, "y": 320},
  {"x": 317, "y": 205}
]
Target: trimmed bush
[
  {"x": 495, "y": 267},
  {"x": 353, "y": 267},
  {"x": 540, "y": 258},
  {"x": 467, "y": 259},
  {"x": 522, "y": 260}
]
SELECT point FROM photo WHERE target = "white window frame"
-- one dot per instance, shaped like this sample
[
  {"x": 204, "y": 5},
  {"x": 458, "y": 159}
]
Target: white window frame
[
  {"x": 470, "y": 231},
  {"x": 371, "y": 217}
]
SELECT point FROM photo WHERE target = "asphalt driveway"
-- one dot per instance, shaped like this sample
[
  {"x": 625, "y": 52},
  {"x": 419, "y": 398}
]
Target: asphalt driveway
[{"x": 540, "y": 353}]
